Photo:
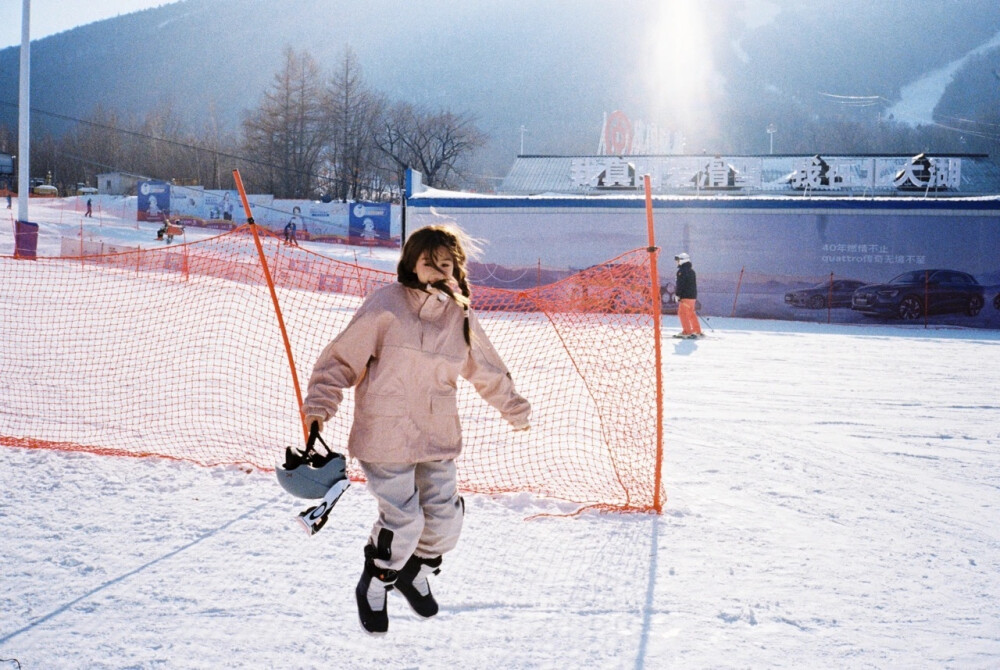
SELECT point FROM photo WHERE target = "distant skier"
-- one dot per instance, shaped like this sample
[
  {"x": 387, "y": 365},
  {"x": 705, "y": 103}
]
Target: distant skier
[
  {"x": 687, "y": 298},
  {"x": 290, "y": 233},
  {"x": 90, "y": 208},
  {"x": 292, "y": 226},
  {"x": 168, "y": 230}
]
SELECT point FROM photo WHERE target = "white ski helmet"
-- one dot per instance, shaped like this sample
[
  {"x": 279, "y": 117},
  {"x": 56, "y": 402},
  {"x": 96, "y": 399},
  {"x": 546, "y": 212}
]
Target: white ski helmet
[
  {"x": 682, "y": 257},
  {"x": 311, "y": 474}
]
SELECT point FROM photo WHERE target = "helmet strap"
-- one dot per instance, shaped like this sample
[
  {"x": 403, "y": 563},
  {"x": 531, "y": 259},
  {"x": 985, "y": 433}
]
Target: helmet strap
[{"x": 295, "y": 458}]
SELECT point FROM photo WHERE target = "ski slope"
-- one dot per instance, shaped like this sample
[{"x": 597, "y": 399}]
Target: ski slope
[{"x": 832, "y": 496}]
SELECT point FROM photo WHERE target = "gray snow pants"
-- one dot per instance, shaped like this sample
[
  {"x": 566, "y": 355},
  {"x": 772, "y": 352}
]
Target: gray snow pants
[{"x": 419, "y": 504}]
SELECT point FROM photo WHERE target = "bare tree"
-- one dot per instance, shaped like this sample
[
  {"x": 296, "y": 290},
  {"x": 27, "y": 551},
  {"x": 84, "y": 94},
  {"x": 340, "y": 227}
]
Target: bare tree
[
  {"x": 47, "y": 159},
  {"x": 8, "y": 145},
  {"x": 393, "y": 127},
  {"x": 164, "y": 147},
  {"x": 217, "y": 146},
  {"x": 290, "y": 130},
  {"x": 8, "y": 139},
  {"x": 160, "y": 147},
  {"x": 435, "y": 143},
  {"x": 95, "y": 145},
  {"x": 312, "y": 135},
  {"x": 354, "y": 111}
]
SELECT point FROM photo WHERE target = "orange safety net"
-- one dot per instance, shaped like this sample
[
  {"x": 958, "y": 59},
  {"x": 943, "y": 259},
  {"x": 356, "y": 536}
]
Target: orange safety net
[{"x": 176, "y": 352}]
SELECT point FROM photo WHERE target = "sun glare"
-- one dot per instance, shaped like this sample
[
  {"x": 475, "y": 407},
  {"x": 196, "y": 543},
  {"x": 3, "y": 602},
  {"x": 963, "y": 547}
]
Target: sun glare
[{"x": 679, "y": 68}]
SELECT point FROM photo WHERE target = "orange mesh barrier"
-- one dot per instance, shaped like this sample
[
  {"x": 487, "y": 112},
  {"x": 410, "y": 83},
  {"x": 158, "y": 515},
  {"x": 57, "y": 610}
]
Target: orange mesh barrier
[{"x": 176, "y": 352}]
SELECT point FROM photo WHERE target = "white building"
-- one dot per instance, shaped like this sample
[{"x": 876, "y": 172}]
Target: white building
[{"x": 117, "y": 183}]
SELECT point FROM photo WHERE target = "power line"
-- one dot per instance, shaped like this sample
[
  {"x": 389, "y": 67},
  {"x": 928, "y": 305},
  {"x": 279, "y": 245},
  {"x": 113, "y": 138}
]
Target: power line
[
  {"x": 320, "y": 178},
  {"x": 855, "y": 100},
  {"x": 185, "y": 145},
  {"x": 968, "y": 131},
  {"x": 133, "y": 133},
  {"x": 974, "y": 122}
]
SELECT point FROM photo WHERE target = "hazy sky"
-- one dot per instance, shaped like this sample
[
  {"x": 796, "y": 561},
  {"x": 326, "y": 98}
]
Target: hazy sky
[{"x": 54, "y": 16}]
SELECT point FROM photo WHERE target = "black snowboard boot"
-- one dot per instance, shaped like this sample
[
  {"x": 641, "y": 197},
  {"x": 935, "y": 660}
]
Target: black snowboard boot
[
  {"x": 371, "y": 593},
  {"x": 412, "y": 582}
]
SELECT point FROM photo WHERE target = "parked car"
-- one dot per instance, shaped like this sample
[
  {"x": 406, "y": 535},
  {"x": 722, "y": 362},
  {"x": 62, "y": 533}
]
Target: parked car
[
  {"x": 837, "y": 293},
  {"x": 906, "y": 296}
]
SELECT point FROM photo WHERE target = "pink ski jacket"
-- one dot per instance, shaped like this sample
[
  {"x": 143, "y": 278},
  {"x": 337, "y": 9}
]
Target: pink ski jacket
[{"x": 409, "y": 347}]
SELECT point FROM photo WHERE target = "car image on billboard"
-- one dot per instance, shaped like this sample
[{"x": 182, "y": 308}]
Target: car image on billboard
[
  {"x": 837, "y": 293},
  {"x": 909, "y": 295}
]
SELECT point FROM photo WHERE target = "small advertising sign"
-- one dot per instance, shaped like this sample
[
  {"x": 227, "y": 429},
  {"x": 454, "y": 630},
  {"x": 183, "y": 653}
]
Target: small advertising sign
[
  {"x": 154, "y": 201},
  {"x": 369, "y": 224}
]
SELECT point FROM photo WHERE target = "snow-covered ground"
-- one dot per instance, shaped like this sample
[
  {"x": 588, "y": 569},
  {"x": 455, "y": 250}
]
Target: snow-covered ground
[{"x": 832, "y": 497}]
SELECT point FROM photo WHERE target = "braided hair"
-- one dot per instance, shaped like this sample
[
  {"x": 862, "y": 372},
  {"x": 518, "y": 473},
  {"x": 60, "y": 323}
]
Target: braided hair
[{"x": 432, "y": 240}]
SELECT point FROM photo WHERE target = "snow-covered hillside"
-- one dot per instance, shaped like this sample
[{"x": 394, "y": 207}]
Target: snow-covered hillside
[{"x": 920, "y": 97}]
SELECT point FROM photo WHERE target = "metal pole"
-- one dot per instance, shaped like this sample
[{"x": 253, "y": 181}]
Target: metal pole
[{"x": 23, "y": 108}]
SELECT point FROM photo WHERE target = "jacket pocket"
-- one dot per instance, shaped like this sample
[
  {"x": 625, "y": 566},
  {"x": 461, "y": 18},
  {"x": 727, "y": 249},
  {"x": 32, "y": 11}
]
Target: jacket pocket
[
  {"x": 383, "y": 405},
  {"x": 444, "y": 404}
]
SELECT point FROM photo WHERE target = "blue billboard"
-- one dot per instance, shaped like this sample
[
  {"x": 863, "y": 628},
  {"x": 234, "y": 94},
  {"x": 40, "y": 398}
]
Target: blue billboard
[
  {"x": 856, "y": 260},
  {"x": 370, "y": 224},
  {"x": 154, "y": 200}
]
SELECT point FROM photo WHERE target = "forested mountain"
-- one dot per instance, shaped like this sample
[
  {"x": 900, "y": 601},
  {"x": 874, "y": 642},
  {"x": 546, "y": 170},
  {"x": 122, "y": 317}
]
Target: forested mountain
[{"x": 553, "y": 67}]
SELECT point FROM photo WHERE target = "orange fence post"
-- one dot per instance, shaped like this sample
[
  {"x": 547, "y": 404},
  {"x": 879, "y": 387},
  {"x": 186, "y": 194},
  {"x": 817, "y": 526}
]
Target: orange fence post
[
  {"x": 927, "y": 297},
  {"x": 829, "y": 301},
  {"x": 654, "y": 292},
  {"x": 737, "y": 296},
  {"x": 274, "y": 298}
]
